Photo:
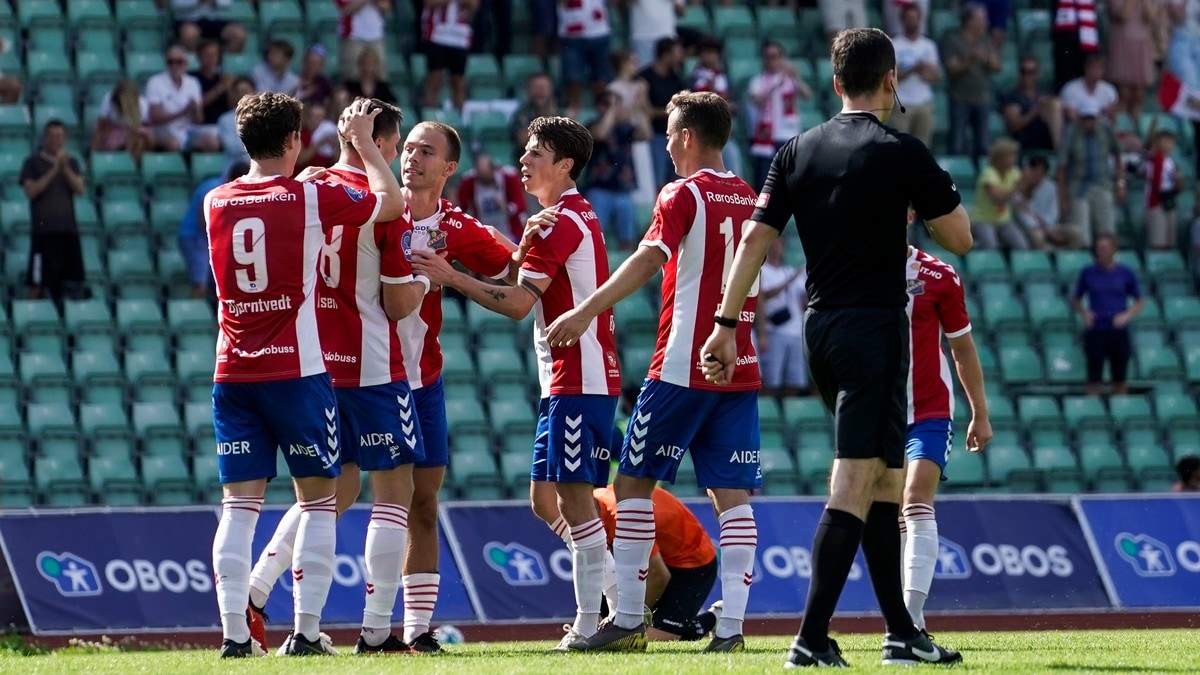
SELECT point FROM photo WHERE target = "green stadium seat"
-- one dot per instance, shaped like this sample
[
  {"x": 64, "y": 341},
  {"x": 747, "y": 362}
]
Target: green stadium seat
[
  {"x": 962, "y": 172},
  {"x": 10, "y": 421},
  {"x": 1181, "y": 312},
  {"x": 495, "y": 362},
  {"x": 114, "y": 481},
  {"x": 696, "y": 16},
  {"x": 1130, "y": 410},
  {"x": 1141, "y": 457},
  {"x": 477, "y": 471},
  {"x": 167, "y": 480},
  {"x": 769, "y": 414},
  {"x": 1192, "y": 366},
  {"x": 100, "y": 418},
  {"x": 1020, "y": 365},
  {"x": 17, "y": 488},
  {"x": 47, "y": 419},
  {"x": 1031, "y": 266},
  {"x": 60, "y": 481},
  {"x": 114, "y": 175},
  {"x": 51, "y": 64},
  {"x": 517, "y": 69},
  {"x": 1165, "y": 266},
  {"x": 779, "y": 472},
  {"x": 804, "y": 413},
  {"x": 1175, "y": 408},
  {"x": 1159, "y": 479},
  {"x": 1081, "y": 411},
  {"x": 39, "y": 14},
  {"x": 1054, "y": 458},
  {"x": 1159, "y": 363},
  {"x": 966, "y": 471},
  {"x": 735, "y": 20},
  {"x": 195, "y": 366},
  {"x": 510, "y": 414},
  {"x": 1065, "y": 364},
  {"x": 1047, "y": 312},
  {"x": 1147, "y": 336},
  {"x": 44, "y": 377},
  {"x": 1115, "y": 480},
  {"x": 165, "y": 170},
  {"x": 776, "y": 22},
  {"x": 1068, "y": 264},
  {"x": 1097, "y": 458},
  {"x": 1002, "y": 460},
  {"x": 187, "y": 315},
  {"x": 1035, "y": 411},
  {"x": 465, "y": 414},
  {"x": 1006, "y": 314},
  {"x": 814, "y": 459},
  {"x": 155, "y": 416},
  {"x": 207, "y": 165},
  {"x": 135, "y": 315},
  {"x": 140, "y": 66}
]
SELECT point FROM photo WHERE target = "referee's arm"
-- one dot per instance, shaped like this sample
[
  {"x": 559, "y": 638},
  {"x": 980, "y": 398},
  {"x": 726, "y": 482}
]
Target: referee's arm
[
  {"x": 719, "y": 353},
  {"x": 952, "y": 231}
]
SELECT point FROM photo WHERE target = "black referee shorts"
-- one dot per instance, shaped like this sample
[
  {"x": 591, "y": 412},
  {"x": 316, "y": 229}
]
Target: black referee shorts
[
  {"x": 858, "y": 359},
  {"x": 682, "y": 598}
]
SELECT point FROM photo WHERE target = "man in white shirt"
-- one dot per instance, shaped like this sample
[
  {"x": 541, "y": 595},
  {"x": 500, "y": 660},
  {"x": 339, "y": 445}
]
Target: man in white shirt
[
  {"x": 650, "y": 21},
  {"x": 175, "y": 109},
  {"x": 893, "y": 10},
  {"x": 781, "y": 325},
  {"x": 917, "y": 66},
  {"x": 1091, "y": 88}
]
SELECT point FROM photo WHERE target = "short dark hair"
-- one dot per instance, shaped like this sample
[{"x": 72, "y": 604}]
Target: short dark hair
[
  {"x": 709, "y": 43},
  {"x": 969, "y": 10},
  {"x": 705, "y": 114},
  {"x": 453, "y": 140},
  {"x": 386, "y": 122},
  {"x": 1092, "y": 59},
  {"x": 664, "y": 46},
  {"x": 1038, "y": 161},
  {"x": 244, "y": 78},
  {"x": 206, "y": 43},
  {"x": 861, "y": 58},
  {"x": 566, "y": 139},
  {"x": 265, "y": 122},
  {"x": 282, "y": 45},
  {"x": 618, "y": 57},
  {"x": 1186, "y": 466}
]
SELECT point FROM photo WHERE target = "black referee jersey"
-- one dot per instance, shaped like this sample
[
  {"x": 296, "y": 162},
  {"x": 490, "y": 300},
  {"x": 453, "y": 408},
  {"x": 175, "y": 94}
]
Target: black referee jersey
[{"x": 849, "y": 182}]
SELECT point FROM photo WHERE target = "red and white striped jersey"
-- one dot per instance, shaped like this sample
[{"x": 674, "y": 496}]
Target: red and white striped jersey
[
  {"x": 447, "y": 25},
  {"x": 264, "y": 240},
  {"x": 361, "y": 345},
  {"x": 698, "y": 223},
  {"x": 583, "y": 19},
  {"x": 366, "y": 23},
  {"x": 463, "y": 239},
  {"x": 935, "y": 307},
  {"x": 573, "y": 256}
]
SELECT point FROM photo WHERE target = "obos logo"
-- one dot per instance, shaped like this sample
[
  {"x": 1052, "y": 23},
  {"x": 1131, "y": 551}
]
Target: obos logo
[
  {"x": 951, "y": 561},
  {"x": 520, "y": 565},
  {"x": 1152, "y": 558},
  {"x": 72, "y": 575}
]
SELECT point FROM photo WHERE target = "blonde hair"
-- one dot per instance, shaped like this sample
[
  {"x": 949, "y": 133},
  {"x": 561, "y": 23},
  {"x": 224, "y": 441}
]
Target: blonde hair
[
  {"x": 1002, "y": 147},
  {"x": 126, "y": 102}
]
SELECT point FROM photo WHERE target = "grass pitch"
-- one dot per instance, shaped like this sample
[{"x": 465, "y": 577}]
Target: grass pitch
[{"x": 1094, "y": 651}]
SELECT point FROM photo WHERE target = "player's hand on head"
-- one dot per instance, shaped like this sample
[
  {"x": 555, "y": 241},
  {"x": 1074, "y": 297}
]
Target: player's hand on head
[
  {"x": 567, "y": 328},
  {"x": 718, "y": 356},
  {"x": 311, "y": 173},
  {"x": 358, "y": 121},
  {"x": 432, "y": 266}
]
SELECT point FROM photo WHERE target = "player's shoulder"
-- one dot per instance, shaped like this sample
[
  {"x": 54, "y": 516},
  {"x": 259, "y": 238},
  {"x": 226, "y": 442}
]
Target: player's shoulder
[
  {"x": 453, "y": 217},
  {"x": 938, "y": 269},
  {"x": 576, "y": 207}
]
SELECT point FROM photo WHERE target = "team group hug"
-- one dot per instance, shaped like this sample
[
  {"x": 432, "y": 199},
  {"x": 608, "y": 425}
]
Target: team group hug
[{"x": 329, "y": 286}]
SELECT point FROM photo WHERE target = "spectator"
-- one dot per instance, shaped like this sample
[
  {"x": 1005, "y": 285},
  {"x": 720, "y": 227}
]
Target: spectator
[
  {"x": 1032, "y": 115},
  {"x": 838, "y": 15},
  {"x": 370, "y": 82},
  {"x": 314, "y": 87},
  {"x": 1188, "y": 468},
  {"x": 1088, "y": 182},
  {"x": 545, "y": 26},
  {"x": 495, "y": 195},
  {"x": 1090, "y": 90},
  {"x": 10, "y": 85},
  {"x": 361, "y": 29},
  {"x": 175, "y": 110},
  {"x": 214, "y": 82},
  {"x": 998, "y": 12},
  {"x": 583, "y": 33},
  {"x": 1183, "y": 54},
  {"x": 318, "y": 138},
  {"x": 1131, "y": 41},
  {"x": 628, "y": 86},
  {"x": 1108, "y": 286},
  {"x": 893, "y": 15},
  {"x": 709, "y": 75},
  {"x": 273, "y": 73},
  {"x": 992, "y": 222},
  {"x": 494, "y": 21},
  {"x": 52, "y": 179},
  {"x": 447, "y": 39},
  {"x": 539, "y": 102},
  {"x": 651, "y": 21},
  {"x": 611, "y": 178},
  {"x": 970, "y": 59},
  {"x": 231, "y": 142},
  {"x": 917, "y": 67},
  {"x": 774, "y": 93},
  {"x": 121, "y": 123},
  {"x": 197, "y": 20},
  {"x": 193, "y": 240},
  {"x": 663, "y": 80},
  {"x": 781, "y": 329},
  {"x": 1035, "y": 207},
  {"x": 1075, "y": 35},
  {"x": 1162, "y": 187}
]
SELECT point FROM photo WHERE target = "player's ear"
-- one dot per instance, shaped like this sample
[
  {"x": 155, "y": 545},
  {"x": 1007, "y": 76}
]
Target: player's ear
[
  {"x": 567, "y": 164},
  {"x": 451, "y": 169}
]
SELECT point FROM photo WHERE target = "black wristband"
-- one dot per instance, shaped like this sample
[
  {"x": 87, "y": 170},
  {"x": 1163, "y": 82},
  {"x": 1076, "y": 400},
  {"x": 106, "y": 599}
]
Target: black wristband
[{"x": 725, "y": 323}]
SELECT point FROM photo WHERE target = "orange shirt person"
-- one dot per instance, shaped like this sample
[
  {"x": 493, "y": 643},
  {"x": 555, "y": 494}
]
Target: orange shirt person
[{"x": 682, "y": 569}]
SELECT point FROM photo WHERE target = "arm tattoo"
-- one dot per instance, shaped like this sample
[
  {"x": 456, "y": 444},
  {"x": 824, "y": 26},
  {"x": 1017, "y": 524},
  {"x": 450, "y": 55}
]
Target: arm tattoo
[
  {"x": 532, "y": 288},
  {"x": 496, "y": 294}
]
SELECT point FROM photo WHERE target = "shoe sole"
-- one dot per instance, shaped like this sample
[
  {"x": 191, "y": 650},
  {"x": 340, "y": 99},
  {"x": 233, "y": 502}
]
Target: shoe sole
[{"x": 629, "y": 643}]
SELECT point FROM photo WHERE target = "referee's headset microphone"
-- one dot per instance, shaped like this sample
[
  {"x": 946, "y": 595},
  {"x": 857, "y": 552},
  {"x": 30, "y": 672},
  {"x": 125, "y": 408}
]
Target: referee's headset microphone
[{"x": 896, "y": 96}]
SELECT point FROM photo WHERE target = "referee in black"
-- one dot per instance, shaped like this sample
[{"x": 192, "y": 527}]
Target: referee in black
[{"x": 848, "y": 183}]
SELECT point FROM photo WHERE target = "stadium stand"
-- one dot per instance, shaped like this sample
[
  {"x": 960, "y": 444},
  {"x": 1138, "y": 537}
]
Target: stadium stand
[{"x": 105, "y": 400}]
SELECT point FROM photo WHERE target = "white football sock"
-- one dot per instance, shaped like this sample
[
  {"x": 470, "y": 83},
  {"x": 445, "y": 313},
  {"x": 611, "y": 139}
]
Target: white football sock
[
  {"x": 590, "y": 543},
  {"x": 610, "y": 581},
  {"x": 275, "y": 558},
  {"x": 560, "y": 528},
  {"x": 312, "y": 571},
  {"x": 387, "y": 537},
  {"x": 920, "y": 558},
  {"x": 903, "y": 537},
  {"x": 632, "y": 543},
  {"x": 420, "y": 597},
  {"x": 739, "y": 539},
  {"x": 231, "y": 563}
]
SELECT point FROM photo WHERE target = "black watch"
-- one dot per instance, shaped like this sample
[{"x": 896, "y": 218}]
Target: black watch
[{"x": 725, "y": 323}]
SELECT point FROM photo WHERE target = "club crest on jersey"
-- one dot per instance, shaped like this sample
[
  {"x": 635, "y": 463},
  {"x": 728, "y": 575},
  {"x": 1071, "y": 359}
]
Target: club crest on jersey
[
  {"x": 354, "y": 193},
  {"x": 437, "y": 239},
  {"x": 916, "y": 286}
]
